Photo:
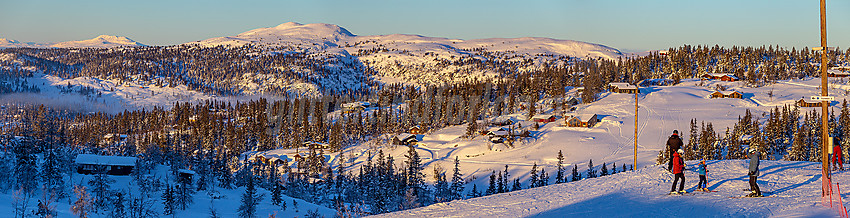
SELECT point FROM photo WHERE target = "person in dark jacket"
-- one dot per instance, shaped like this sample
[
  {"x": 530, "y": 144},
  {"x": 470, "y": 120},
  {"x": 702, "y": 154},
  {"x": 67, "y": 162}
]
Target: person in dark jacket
[
  {"x": 754, "y": 172},
  {"x": 678, "y": 170},
  {"x": 674, "y": 143}
]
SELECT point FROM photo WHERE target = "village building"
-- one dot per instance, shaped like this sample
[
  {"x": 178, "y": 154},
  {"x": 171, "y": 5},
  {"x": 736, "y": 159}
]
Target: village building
[
  {"x": 415, "y": 130},
  {"x": 572, "y": 101},
  {"x": 808, "y": 103},
  {"x": 719, "y": 76},
  {"x": 405, "y": 139},
  {"x": 544, "y": 118},
  {"x": 502, "y": 121},
  {"x": 836, "y": 73},
  {"x": 726, "y": 94},
  {"x": 354, "y": 107},
  {"x": 582, "y": 120},
  {"x": 112, "y": 165},
  {"x": 624, "y": 88},
  {"x": 498, "y": 132}
]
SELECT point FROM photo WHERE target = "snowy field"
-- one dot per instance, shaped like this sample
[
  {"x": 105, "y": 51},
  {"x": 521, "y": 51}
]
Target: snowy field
[{"x": 793, "y": 190}]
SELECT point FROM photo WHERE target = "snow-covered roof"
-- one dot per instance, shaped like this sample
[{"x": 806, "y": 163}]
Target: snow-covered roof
[
  {"x": 623, "y": 85},
  {"x": 728, "y": 92},
  {"x": 404, "y": 136},
  {"x": 105, "y": 160},
  {"x": 186, "y": 171},
  {"x": 583, "y": 117},
  {"x": 809, "y": 101},
  {"x": 542, "y": 116}
]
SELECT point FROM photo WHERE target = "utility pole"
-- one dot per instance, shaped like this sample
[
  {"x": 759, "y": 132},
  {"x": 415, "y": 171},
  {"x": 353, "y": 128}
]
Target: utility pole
[
  {"x": 637, "y": 90},
  {"x": 827, "y": 183}
]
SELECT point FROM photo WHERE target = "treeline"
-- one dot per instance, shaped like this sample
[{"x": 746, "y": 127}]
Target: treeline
[{"x": 785, "y": 133}]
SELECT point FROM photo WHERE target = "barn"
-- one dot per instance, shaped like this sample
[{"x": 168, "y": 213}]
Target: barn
[{"x": 113, "y": 165}]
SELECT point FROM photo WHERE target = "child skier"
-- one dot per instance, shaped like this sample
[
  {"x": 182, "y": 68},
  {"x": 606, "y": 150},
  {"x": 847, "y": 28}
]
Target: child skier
[{"x": 703, "y": 184}]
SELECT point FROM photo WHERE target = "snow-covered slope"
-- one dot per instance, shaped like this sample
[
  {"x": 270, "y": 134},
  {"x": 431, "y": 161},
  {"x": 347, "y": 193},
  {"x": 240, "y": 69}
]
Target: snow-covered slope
[
  {"x": 793, "y": 189},
  {"x": 102, "y": 41}
]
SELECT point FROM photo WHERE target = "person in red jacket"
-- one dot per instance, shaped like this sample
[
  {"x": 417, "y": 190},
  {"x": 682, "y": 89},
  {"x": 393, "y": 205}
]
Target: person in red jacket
[
  {"x": 678, "y": 170},
  {"x": 837, "y": 159}
]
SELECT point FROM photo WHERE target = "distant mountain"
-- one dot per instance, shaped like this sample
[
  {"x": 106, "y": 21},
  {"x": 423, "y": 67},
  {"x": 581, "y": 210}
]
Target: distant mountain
[
  {"x": 11, "y": 43},
  {"x": 329, "y": 37},
  {"x": 102, "y": 41}
]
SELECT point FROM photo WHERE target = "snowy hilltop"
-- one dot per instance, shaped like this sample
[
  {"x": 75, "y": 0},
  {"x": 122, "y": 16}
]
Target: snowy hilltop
[
  {"x": 331, "y": 38},
  {"x": 102, "y": 41}
]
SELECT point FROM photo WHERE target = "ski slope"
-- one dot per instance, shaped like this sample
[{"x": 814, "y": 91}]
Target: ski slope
[{"x": 793, "y": 187}]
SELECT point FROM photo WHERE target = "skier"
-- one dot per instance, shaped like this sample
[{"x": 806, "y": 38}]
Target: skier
[
  {"x": 703, "y": 184},
  {"x": 674, "y": 143},
  {"x": 754, "y": 172},
  {"x": 837, "y": 158},
  {"x": 678, "y": 170}
]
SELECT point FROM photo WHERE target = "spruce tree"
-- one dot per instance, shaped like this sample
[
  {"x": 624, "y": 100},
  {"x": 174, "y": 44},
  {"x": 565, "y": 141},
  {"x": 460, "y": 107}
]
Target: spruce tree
[
  {"x": 559, "y": 178},
  {"x": 533, "y": 182},
  {"x": 250, "y": 200},
  {"x": 614, "y": 168},
  {"x": 168, "y": 200},
  {"x": 457, "y": 182},
  {"x": 576, "y": 175},
  {"x": 492, "y": 189},
  {"x": 604, "y": 170},
  {"x": 591, "y": 173},
  {"x": 51, "y": 175},
  {"x": 517, "y": 185},
  {"x": 25, "y": 168}
]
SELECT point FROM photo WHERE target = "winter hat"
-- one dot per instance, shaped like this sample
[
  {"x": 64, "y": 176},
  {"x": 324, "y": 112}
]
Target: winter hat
[
  {"x": 675, "y": 132},
  {"x": 702, "y": 160},
  {"x": 681, "y": 151},
  {"x": 753, "y": 149}
]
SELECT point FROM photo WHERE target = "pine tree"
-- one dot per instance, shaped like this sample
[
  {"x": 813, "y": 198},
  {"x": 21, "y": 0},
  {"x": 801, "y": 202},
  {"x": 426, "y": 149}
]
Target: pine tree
[
  {"x": 604, "y": 170},
  {"x": 117, "y": 202},
  {"x": 51, "y": 175},
  {"x": 25, "y": 168},
  {"x": 500, "y": 185},
  {"x": 100, "y": 184},
  {"x": 534, "y": 181},
  {"x": 591, "y": 173},
  {"x": 276, "y": 189},
  {"x": 544, "y": 178},
  {"x": 613, "y": 168},
  {"x": 474, "y": 193},
  {"x": 624, "y": 168},
  {"x": 517, "y": 185},
  {"x": 168, "y": 201},
  {"x": 576, "y": 175},
  {"x": 414, "y": 177},
  {"x": 559, "y": 178},
  {"x": 250, "y": 200},
  {"x": 505, "y": 180},
  {"x": 491, "y": 189},
  {"x": 457, "y": 182}
]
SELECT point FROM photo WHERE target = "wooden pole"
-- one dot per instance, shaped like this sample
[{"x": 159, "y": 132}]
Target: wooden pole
[
  {"x": 824, "y": 103},
  {"x": 637, "y": 90}
]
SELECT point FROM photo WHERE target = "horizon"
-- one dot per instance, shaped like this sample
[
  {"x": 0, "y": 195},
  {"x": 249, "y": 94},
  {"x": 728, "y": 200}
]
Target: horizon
[{"x": 756, "y": 23}]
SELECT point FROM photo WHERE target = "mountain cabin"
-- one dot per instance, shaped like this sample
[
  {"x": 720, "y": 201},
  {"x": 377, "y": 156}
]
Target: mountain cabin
[{"x": 113, "y": 165}]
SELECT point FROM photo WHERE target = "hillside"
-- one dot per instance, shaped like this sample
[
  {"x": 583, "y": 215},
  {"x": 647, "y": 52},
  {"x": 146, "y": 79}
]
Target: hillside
[{"x": 793, "y": 189}]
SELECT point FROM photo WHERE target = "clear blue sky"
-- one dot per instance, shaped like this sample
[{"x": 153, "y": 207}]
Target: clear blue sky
[{"x": 628, "y": 25}]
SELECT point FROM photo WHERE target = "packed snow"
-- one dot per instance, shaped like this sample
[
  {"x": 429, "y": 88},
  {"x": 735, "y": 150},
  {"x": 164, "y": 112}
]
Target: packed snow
[{"x": 793, "y": 190}]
